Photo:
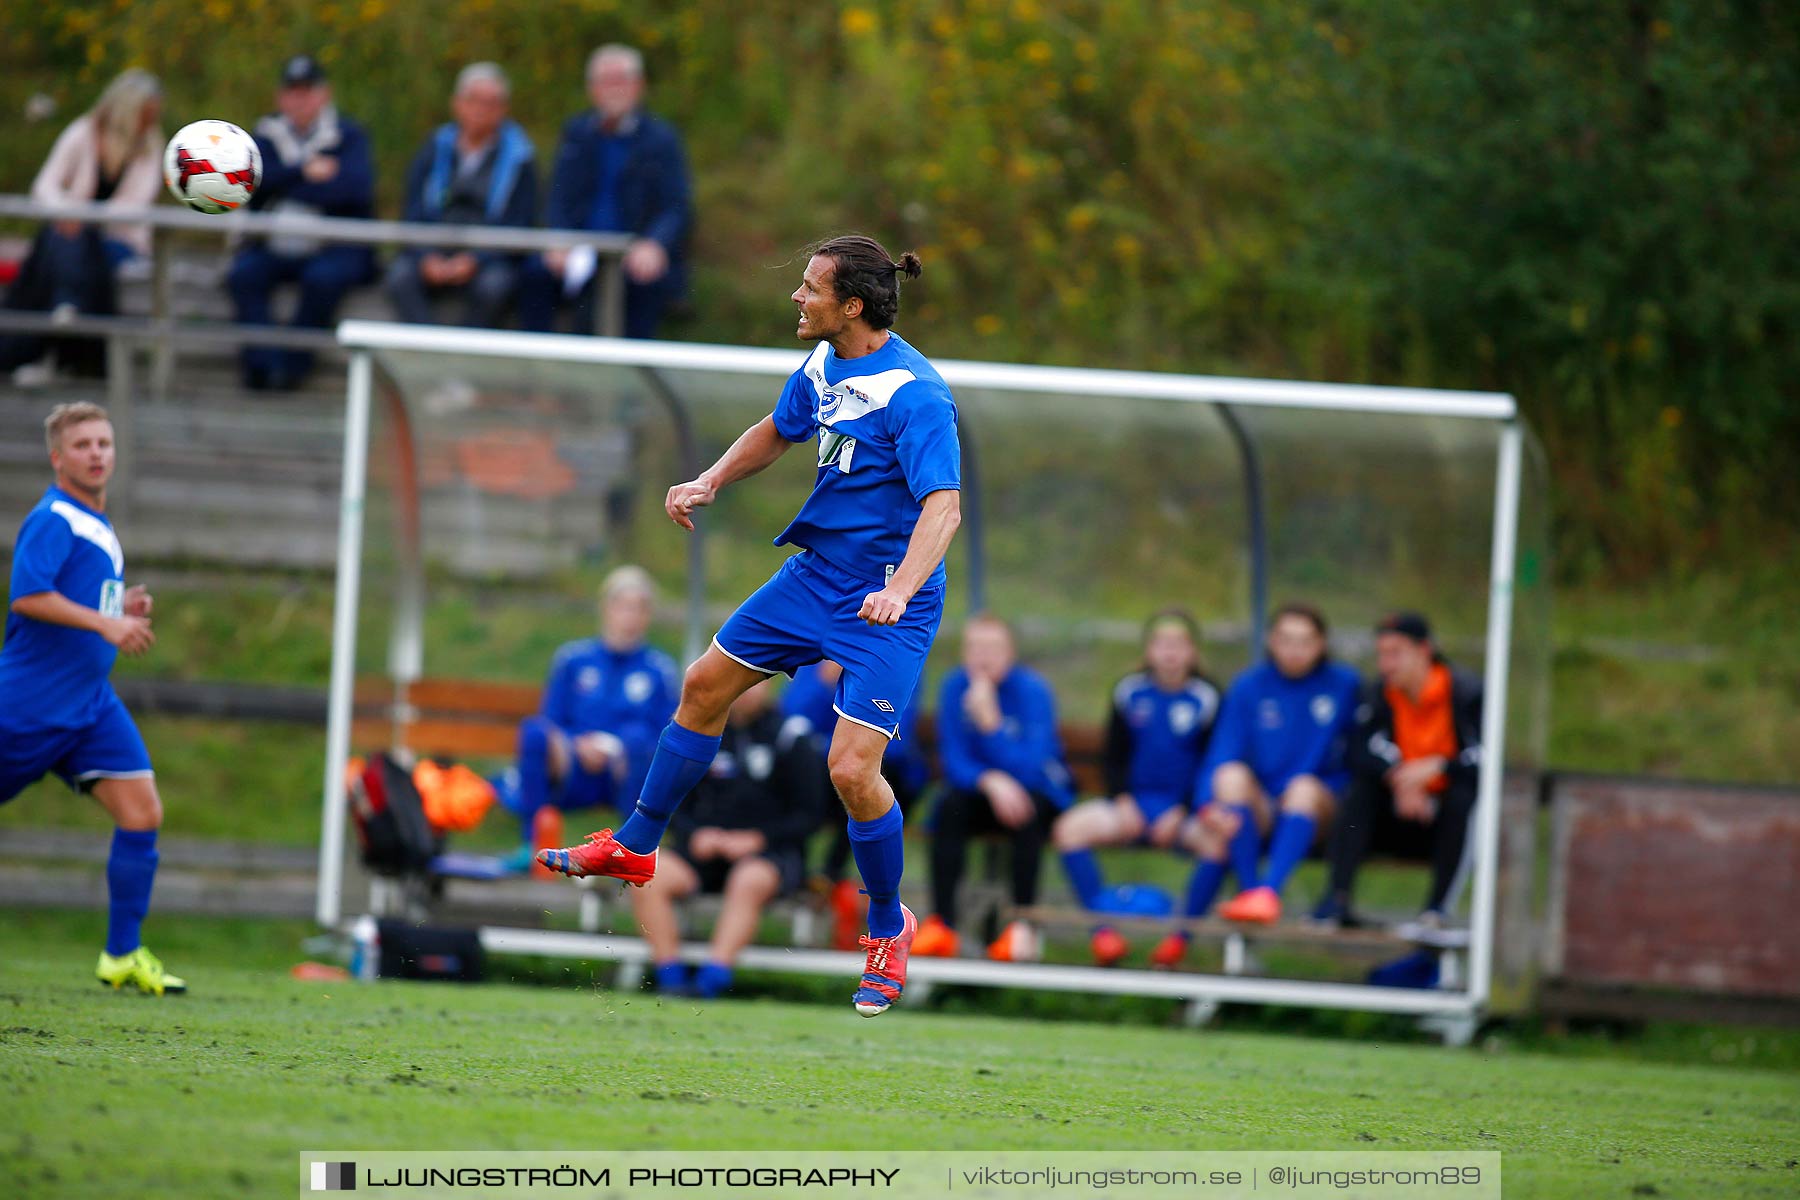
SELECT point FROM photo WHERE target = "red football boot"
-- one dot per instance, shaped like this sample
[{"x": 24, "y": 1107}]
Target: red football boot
[
  {"x": 1169, "y": 952},
  {"x": 884, "y": 972},
  {"x": 601, "y": 855},
  {"x": 1259, "y": 906},
  {"x": 1109, "y": 946}
]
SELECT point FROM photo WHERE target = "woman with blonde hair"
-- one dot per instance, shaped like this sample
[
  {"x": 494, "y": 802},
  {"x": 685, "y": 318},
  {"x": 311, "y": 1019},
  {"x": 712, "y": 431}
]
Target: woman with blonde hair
[{"x": 108, "y": 155}]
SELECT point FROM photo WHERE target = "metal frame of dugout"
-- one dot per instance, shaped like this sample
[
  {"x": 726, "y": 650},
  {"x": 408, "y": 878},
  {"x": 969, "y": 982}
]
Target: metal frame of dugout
[{"x": 1454, "y": 1009}]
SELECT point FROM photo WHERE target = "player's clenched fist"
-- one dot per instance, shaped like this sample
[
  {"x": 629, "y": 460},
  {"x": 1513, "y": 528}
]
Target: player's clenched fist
[
  {"x": 885, "y": 607},
  {"x": 684, "y": 498}
]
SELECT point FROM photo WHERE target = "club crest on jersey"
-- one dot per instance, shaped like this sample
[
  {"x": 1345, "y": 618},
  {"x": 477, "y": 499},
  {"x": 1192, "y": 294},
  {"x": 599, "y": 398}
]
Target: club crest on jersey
[
  {"x": 830, "y": 400},
  {"x": 638, "y": 686},
  {"x": 1183, "y": 718},
  {"x": 759, "y": 762},
  {"x": 1324, "y": 708}
]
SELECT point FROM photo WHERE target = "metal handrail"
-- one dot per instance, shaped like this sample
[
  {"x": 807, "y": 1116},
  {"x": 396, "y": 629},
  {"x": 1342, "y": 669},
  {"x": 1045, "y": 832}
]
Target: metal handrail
[
  {"x": 609, "y": 248},
  {"x": 334, "y": 229}
]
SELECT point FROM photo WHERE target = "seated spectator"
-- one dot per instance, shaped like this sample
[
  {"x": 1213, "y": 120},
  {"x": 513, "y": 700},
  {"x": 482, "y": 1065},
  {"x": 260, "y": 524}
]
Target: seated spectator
[
  {"x": 1275, "y": 768},
  {"x": 478, "y": 169},
  {"x": 619, "y": 169},
  {"x": 1162, "y": 716},
  {"x": 809, "y": 707},
  {"x": 741, "y": 834},
  {"x": 1414, "y": 759},
  {"x": 111, "y": 155},
  {"x": 1003, "y": 773},
  {"x": 605, "y": 704},
  {"x": 315, "y": 161}
]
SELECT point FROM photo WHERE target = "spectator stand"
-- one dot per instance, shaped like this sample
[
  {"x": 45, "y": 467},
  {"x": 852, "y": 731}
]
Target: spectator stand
[
  {"x": 165, "y": 272},
  {"x": 1400, "y": 487},
  {"x": 212, "y": 475}
]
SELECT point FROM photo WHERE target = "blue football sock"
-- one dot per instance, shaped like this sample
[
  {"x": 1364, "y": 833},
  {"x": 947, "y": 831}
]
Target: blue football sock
[
  {"x": 534, "y": 772},
  {"x": 672, "y": 978},
  {"x": 130, "y": 870},
  {"x": 713, "y": 979},
  {"x": 1203, "y": 887},
  {"x": 1287, "y": 846},
  {"x": 1084, "y": 875},
  {"x": 880, "y": 851},
  {"x": 682, "y": 757},
  {"x": 1245, "y": 848}
]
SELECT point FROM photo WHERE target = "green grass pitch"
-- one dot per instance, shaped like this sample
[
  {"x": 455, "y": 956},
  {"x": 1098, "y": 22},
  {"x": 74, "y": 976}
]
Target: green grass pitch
[{"x": 214, "y": 1093}]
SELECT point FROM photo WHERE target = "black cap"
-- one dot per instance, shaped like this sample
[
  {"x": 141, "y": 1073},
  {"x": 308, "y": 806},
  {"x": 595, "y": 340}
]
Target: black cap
[
  {"x": 302, "y": 70},
  {"x": 1406, "y": 624}
]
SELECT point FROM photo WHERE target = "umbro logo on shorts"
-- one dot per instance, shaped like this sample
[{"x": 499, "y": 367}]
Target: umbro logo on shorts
[{"x": 883, "y": 705}]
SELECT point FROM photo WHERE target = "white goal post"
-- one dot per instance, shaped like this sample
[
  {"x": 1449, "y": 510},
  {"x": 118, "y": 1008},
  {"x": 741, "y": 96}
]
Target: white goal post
[{"x": 395, "y": 351}]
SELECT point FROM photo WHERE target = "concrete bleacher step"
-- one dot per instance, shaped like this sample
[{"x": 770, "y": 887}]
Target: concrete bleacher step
[{"x": 212, "y": 473}]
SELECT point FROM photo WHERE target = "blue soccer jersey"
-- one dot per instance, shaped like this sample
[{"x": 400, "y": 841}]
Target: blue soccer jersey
[
  {"x": 1283, "y": 728},
  {"x": 887, "y": 438},
  {"x": 55, "y": 676},
  {"x": 1026, "y": 746},
  {"x": 630, "y": 694},
  {"x": 1155, "y": 739}
]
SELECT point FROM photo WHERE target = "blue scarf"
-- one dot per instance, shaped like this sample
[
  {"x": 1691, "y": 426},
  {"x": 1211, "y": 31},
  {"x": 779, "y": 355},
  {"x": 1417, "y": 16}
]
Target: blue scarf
[{"x": 511, "y": 152}]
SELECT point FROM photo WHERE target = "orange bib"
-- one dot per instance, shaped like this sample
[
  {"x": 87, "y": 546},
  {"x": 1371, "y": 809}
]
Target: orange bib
[{"x": 1427, "y": 727}]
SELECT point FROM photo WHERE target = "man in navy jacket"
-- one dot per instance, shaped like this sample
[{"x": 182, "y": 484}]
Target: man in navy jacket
[
  {"x": 315, "y": 161},
  {"x": 478, "y": 169},
  {"x": 619, "y": 169}
]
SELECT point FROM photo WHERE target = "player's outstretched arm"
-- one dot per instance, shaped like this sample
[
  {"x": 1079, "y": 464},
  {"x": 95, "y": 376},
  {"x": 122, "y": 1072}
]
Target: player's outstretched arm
[
  {"x": 755, "y": 449},
  {"x": 130, "y": 634},
  {"x": 940, "y": 516}
]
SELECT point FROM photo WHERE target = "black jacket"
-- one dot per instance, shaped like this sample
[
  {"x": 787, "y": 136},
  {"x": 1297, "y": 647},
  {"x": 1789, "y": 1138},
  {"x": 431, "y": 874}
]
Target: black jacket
[
  {"x": 1373, "y": 749},
  {"x": 759, "y": 780}
]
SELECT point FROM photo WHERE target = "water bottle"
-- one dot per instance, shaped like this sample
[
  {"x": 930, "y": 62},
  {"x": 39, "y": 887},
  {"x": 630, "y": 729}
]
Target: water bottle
[{"x": 365, "y": 949}]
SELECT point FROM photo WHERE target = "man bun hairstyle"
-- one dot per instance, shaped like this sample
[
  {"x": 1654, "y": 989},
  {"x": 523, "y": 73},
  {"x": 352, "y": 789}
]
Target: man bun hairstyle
[{"x": 864, "y": 270}]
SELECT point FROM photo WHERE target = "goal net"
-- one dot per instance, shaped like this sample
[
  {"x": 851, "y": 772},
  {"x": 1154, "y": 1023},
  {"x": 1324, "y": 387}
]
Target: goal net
[{"x": 492, "y": 479}]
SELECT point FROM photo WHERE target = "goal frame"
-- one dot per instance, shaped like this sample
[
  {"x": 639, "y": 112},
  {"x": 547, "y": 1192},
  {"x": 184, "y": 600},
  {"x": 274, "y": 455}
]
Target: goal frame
[{"x": 365, "y": 339}]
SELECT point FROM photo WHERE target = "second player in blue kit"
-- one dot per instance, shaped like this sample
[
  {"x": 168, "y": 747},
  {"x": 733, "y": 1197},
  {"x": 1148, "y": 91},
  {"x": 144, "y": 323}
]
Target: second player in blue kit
[
  {"x": 867, "y": 589},
  {"x": 69, "y": 617}
]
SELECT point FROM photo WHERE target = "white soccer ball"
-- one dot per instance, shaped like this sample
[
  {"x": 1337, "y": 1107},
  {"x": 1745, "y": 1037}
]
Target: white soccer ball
[{"x": 212, "y": 166}]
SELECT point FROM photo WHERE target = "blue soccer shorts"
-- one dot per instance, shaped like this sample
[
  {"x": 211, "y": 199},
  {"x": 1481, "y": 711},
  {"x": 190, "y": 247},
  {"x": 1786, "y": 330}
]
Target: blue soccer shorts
[
  {"x": 1153, "y": 805},
  {"x": 109, "y": 747},
  {"x": 807, "y": 611}
]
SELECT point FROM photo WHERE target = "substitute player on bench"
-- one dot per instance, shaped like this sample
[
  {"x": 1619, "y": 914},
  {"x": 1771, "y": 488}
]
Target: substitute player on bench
[
  {"x": 70, "y": 617},
  {"x": 867, "y": 591}
]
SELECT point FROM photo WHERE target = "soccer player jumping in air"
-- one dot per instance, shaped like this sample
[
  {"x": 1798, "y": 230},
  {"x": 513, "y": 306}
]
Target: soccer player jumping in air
[
  {"x": 71, "y": 616},
  {"x": 866, "y": 591}
]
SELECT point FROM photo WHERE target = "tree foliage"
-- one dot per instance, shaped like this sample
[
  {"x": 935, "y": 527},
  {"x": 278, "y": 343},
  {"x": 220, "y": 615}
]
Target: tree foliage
[{"x": 1593, "y": 204}]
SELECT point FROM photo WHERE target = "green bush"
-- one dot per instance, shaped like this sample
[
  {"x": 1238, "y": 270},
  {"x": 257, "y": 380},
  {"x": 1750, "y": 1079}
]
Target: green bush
[{"x": 1595, "y": 206}]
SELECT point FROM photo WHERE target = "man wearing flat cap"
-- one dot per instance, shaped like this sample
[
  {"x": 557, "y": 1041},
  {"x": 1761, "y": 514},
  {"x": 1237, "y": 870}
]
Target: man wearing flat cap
[
  {"x": 315, "y": 161},
  {"x": 1413, "y": 763}
]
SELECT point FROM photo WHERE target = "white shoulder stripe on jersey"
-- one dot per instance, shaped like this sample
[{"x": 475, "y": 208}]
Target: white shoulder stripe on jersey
[
  {"x": 857, "y": 396},
  {"x": 90, "y": 528},
  {"x": 1125, "y": 687},
  {"x": 1205, "y": 693}
]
